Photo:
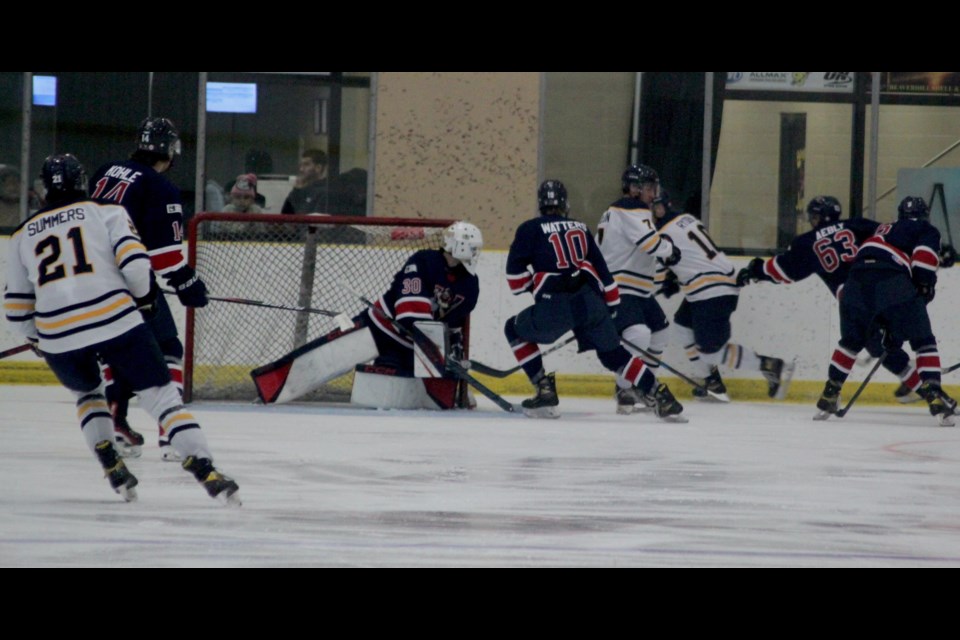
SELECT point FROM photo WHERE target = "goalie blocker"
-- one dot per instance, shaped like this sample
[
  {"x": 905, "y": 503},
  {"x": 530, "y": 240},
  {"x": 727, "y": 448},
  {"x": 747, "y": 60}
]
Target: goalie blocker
[{"x": 374, "y": 385}]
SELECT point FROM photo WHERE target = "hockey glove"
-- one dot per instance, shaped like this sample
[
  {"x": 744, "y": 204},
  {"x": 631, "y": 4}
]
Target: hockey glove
[
  {"x": 753, "y": 272},
  {"x": 147, "y": 305},
  {"x": 670, "y": 285},
  {"x": 189, "y": 287},
  {"x": 948, "y": 256},
  {"x": 926, "y": 291},
  {"x": 673, "y": 258}
]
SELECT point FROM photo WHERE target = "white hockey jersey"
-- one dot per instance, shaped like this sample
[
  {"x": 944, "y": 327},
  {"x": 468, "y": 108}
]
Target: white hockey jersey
[
  {"x": 631, "y": 245},
  {"x": 72, "y": 274},
  {"x": 704, "y": 271}
]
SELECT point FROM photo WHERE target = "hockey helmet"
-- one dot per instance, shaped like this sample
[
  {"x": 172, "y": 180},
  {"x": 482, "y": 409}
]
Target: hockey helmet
[
  {"x": 552, "y": 195},
  {"x": 914, "y": 208},
  {"x": 464, "y": 241},
  {"x": 63, "y": 177},
  {"x": 827, "y": 207},
  {"x": 638, "y": 174},
  {"x": 160, "y": 136}
]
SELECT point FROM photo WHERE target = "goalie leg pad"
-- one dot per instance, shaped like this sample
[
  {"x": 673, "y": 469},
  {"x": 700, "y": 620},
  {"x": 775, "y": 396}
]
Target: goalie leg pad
[
  {"x": 383, "y": 387},
  {"x": 306, "y": 368}
]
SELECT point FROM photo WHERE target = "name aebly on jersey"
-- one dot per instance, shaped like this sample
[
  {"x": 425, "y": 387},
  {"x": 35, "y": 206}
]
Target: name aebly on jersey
[{"x": 56, "y": 218}]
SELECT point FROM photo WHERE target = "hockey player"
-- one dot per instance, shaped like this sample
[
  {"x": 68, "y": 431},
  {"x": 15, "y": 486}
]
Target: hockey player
[
  {"x": 893, "y": 278},
  {"x": 637, "y": 257},
  {"x": 433, "y": 286},
  {"x": 153, "y": 202},
  {"x": 77, "y": 274},
  {"x": 828, "y": 250},
  {"x": 710, "y": 294},
  {"x": 556, "y": 259}
]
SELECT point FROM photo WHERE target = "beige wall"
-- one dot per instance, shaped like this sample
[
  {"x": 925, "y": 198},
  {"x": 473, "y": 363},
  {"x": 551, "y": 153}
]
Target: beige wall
[{"x": 458, "y": 145}]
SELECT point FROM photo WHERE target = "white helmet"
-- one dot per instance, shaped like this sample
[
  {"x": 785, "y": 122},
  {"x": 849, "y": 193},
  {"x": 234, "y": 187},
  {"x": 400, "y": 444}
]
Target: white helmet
[{"x": 463, "y": 241}]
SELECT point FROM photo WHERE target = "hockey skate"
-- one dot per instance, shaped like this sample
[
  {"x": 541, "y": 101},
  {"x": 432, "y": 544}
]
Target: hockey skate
[
  {"x": 713, "y": 389},
  {"x": 778, "y": 375},
  {"x": 942, "y": 406},
  {"x": 129, "y": 442},
  {"x": 667, "y": 407},
  {"x": 829, "y": 402},
  {"x": 633, "y": 400},
  {"x": 905, "y": 395},
  {"x": 218, "y": 486},
  {"x": 121, "y": 480},
  {"x": 546, "y": 403}
]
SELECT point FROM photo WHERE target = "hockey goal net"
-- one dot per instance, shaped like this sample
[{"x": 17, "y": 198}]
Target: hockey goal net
[{"x": 301, "y": 262}]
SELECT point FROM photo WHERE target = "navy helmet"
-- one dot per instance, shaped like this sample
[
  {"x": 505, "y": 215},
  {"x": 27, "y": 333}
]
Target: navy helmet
[
  {"x": 63, "y": 177},
  {"x": 160, "y": 136},
  {"x": 914, "y": 208},
  {"x": 638, "y": 174},
  {"x": 552, "y": 195},
  {"x": 827, "y": 207}
]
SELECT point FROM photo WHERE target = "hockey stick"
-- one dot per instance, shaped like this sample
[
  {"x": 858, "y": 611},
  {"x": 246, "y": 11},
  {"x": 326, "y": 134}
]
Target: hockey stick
[
  {"x": 658, "y": 361},
  {"x": 842, "y": 412},
  {"x": 479, "y": 367},
  {"x": 14, "y": 351},
  {"x": 436, "y": 358},
  {"x": 267, "y": 305},
  {"x": 951, "y": 369}
]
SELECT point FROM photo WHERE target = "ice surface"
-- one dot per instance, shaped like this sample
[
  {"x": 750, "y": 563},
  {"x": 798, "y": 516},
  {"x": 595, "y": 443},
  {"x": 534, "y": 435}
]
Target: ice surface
[{"x": 741, "y": 485}]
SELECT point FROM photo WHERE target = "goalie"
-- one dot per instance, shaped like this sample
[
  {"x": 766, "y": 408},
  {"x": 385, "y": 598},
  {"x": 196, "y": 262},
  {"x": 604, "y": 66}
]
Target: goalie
[{"x": 435, "y": 290}]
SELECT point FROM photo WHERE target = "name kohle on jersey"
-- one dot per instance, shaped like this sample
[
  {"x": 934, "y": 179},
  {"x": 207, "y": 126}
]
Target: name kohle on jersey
[
  {"x": 704, "y": 271},
  {"x": 154, "y": 205},
  {"x": 827, "y": 251},
  {"x": 630, "y": 244},
  {"x": 72, "y": 275},
  {"x": 549, "y": 251},
  {"x": 427, "y": 288}
]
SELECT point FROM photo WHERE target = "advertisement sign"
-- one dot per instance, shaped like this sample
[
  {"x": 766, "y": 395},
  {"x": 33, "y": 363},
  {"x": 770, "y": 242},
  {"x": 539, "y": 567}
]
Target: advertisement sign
[
  {"x": 797, "y": 81},
  {"x": 930, "y": 83}
]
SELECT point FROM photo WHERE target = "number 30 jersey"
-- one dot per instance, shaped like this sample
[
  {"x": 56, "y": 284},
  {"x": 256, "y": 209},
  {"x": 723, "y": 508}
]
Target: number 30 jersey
[
  {"x": 828, "y": 251},
  {"x": 72, "y": 273},
  {"x": 704, "y": 271}
]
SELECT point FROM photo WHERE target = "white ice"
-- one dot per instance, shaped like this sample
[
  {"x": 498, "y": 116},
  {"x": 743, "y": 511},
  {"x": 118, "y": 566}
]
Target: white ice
[{"x": 740, "y": 485}]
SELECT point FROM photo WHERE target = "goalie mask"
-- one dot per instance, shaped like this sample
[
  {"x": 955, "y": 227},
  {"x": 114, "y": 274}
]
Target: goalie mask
[{"x": 464, "y": 241}]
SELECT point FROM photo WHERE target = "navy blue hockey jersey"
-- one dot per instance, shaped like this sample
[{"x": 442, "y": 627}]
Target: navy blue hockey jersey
[
  {"x": 912, "y": 245},
  {"x": 550, "y": 250},
  {"x": 427, "y": 288},
  {"x": 827, "y": 251},
  {"x": 154, "y": 205}
]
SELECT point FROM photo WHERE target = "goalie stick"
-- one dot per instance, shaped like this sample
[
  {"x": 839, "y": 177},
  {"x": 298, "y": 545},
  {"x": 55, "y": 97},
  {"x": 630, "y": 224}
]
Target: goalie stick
[
  {"x": 14, "y": 351},
  {"x": 479, "y": 367},
  {"x": 436, "y": 358}
]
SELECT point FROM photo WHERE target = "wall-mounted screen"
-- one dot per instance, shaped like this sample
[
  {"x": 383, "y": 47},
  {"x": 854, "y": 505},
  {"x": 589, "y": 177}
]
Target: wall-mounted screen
[
  {"x": 231, "y": 97},
  {"x": 45, "y": 91}
]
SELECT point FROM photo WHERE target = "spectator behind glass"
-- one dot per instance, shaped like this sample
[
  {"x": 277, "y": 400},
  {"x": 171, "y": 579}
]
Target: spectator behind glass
[
  {"x": 310, "y": 192},
  {"x": 243, "y": 195},
  {"x": 9, "y": 198}
]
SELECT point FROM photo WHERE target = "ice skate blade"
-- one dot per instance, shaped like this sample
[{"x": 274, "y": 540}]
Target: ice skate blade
[
  {"x": 907, "y": 399},
  {"x": 129, "y": 450},
  {"x": 541, "y": 413},
  {"x": 169, "y": 454},
  {"x": 232, "y": 500},
  {"x": 822, "y": 415},
  {"x": 946, "y": 420},
  {"x": 676, "y": 419},
  {"x": 713, "y": 397},
  {"x": 129, "y": 494}
]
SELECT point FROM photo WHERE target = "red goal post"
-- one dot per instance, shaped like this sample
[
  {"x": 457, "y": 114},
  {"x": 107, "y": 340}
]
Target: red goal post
[{"x": 286, "y": 261}]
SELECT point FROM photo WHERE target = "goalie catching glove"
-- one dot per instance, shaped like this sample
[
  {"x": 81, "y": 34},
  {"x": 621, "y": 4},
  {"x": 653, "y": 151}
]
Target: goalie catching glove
[{"x": 189, "y": 287}]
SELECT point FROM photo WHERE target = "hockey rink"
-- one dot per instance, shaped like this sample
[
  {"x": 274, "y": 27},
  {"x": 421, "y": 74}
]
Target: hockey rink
[{"x": 740, "y": 485}]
